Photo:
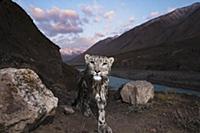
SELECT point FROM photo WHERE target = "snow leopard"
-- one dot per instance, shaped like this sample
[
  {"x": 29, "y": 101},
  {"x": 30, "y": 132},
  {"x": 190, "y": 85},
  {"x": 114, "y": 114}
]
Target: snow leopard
[{"x": 93, "y": 89}]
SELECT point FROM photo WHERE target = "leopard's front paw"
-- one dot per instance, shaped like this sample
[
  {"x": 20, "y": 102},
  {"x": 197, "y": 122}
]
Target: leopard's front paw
[
  {"x": 104, "y": 129},
  {"x": 108, "y": 129}
]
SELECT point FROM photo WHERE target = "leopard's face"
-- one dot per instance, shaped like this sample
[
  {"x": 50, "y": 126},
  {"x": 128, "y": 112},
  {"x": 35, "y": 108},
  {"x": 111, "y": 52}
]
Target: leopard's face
[{"x": 98, "y": 66}]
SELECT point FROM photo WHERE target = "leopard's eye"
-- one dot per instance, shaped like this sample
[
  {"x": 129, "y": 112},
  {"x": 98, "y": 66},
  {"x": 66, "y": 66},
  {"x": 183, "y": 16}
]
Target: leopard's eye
[
  {"x": 92, "y": 62},
  {"x": 104, "y": 64}
]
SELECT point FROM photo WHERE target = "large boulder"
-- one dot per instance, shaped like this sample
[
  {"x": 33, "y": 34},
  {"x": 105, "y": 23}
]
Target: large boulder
[
  {"x": 24, "y": 100},
  {"x": 22, "y": 45},
  {"x": 137, "y": 92}
]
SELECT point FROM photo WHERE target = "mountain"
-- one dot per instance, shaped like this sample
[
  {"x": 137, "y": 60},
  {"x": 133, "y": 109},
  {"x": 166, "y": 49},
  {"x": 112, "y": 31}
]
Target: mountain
[
  {"x": 22, "y": 45},
  {"x": 69, "y": 53},
  {"x": 94, "y": 49},
  {"x": 168, "y": 42}
]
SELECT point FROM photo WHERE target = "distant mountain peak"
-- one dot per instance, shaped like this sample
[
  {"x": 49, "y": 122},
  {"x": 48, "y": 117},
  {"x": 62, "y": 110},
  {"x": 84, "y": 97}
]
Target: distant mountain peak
[{"x": 69, "y": 53}]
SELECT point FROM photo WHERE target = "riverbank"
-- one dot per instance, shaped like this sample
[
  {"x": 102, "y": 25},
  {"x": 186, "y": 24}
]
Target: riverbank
[
  {"x": 171, "y": 78},
  {"x": 167, "y": 112}
]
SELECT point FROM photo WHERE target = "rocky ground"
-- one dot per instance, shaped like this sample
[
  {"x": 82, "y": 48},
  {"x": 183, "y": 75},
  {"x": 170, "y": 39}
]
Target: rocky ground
[{"x": 166, "y": 113}]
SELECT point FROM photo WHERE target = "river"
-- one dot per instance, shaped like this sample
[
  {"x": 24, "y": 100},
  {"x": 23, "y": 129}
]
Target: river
[{"x": 116, "y": 82}]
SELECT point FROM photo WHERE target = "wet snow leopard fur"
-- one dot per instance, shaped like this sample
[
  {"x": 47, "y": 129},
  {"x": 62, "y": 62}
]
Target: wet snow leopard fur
[{"x": 93, "y": 89}]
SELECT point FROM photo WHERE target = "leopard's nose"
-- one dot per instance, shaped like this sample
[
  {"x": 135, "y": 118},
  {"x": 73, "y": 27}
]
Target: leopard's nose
[{"x": 97, "y": 71}]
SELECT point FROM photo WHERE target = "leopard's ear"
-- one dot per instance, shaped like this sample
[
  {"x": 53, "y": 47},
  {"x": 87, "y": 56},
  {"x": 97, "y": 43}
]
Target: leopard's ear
[
  {"x": 87, "y": 58},
  {"x": 111, "y": 60}
]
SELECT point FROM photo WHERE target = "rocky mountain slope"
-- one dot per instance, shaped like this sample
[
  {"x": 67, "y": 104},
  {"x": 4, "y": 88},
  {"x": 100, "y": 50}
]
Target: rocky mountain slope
[
  {"x": 22, "y": 45},
  {"x": 169, "y": 42}
]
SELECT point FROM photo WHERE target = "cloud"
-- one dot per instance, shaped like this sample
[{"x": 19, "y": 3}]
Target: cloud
[
  {"x": 153, "y": 15},
  {"x": 91, "y": 10},
  {"x": 85, "y": 20},
  {"x": 109, "y": 15},
  {"x": 76, "y": 43},
  {"x": 157, "y": 14},
  {"x": 99, "y": 35},
  {"x": 125, "y": 26},
  {"x": 70, "y": 51},
  {"x": 53, "y": 29},
  {"x": 96, "y": 12},
  {"x": 131, "y": 19},
  {"x": 38, "y": 14},
  {"x": 56, "y": 21},
  {"x": 73, "y": 42},
  {"x": 63, "y": 26},
  {"x": 87, "y": 10},
  {"x": 97, "y": 19}
]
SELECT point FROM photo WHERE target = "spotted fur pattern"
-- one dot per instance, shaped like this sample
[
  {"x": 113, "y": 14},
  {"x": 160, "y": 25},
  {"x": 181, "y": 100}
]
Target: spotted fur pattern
[{"x": 93, "y": 89}]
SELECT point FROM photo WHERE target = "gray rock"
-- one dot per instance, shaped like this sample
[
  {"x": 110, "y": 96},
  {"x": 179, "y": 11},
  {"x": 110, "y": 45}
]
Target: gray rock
[
  {"x": 24, "y": 100},
  {"x": 137, "y": 92},
  {"x": 68, "y": 109}
]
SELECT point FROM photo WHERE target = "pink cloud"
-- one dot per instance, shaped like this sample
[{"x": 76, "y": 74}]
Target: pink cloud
[
  {"x": 38, "y": 14},
  {"x": 82, "y": 43},
  {"x": 52, "y": 29},
  {"x": 70, "y": 51},
  {"x": 97, "y": 19},
  {"x": 73, "y": 44},
  {"x": 98, "y": 34},
  {"x": 109, "y": 15},
  {"x": 57, "y": 21}
]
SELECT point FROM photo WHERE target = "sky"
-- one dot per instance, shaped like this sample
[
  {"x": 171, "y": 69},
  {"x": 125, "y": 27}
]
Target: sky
[{"x": 75, "y": 25}]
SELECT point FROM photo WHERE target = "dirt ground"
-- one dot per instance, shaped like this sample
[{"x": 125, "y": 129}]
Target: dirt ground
[{"x": 166, "y": 113}]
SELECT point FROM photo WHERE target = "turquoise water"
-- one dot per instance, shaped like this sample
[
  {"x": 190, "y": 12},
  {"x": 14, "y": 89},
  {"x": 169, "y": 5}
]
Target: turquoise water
[{"x": 115, "y": 83}]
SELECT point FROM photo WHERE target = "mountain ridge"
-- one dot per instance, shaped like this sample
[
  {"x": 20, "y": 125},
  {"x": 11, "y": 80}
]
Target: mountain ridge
[{"x": 178, "y": 25}]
